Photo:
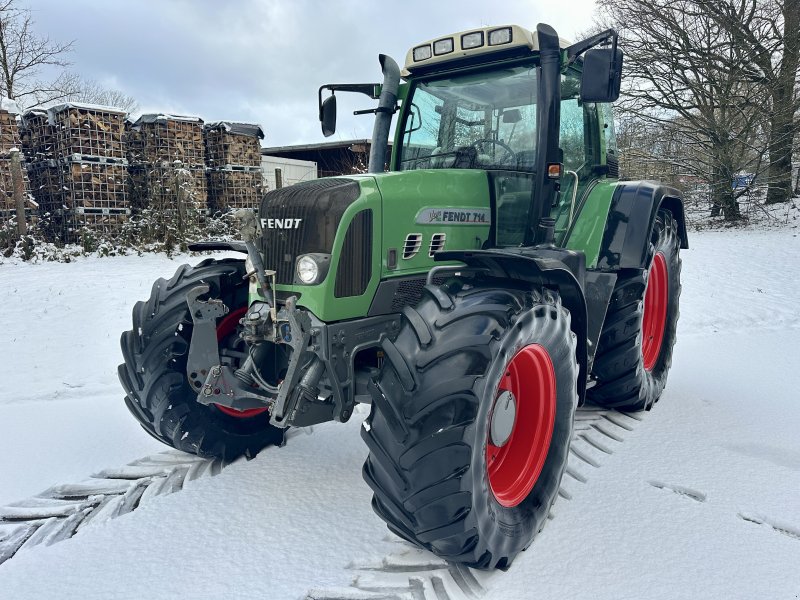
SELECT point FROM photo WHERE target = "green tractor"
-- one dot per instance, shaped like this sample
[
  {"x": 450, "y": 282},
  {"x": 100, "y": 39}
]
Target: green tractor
[{"x": 496, "y": 277}]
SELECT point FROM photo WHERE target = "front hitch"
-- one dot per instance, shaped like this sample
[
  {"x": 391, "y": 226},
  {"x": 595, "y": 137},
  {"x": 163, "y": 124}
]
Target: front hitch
[{"x": 214, "y": 382}]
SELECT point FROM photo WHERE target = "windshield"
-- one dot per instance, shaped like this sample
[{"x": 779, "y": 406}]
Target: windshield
[{"x": 477, "y": 121}]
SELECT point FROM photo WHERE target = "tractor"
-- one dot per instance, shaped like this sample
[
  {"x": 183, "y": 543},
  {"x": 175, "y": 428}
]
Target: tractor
[{"x": 497, "y": 275}]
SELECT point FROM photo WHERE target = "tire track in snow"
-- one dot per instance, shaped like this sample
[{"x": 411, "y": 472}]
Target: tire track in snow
[
  {"x": 63, "y": 511},
  {"x": 415, "y": 574}
]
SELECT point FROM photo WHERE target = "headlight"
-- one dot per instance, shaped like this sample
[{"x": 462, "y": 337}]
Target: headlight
[
  {"x": 307, "y": 269},
  {"x": 312, "y": 268},
  {"x": 472, "y": 40},
  {"x": 444, "y": 46},
  {"x": 422, "y": 52},
  {"x": 500, "y": 36}
]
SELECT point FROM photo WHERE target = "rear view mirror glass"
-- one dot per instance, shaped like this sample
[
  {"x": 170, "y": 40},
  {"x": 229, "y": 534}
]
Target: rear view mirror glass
[
  {"x": 602, "y": 75},
  {"x": 328, "y": 116}
]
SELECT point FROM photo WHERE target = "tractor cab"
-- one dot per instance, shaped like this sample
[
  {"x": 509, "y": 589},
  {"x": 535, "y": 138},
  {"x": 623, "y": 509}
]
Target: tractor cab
[{"x": 481, "y": 99}]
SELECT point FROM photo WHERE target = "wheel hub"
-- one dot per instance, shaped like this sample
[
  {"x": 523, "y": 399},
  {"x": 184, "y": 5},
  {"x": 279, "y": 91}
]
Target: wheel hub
[
  {"x": 521, "y": 425},
  {"x": 503, "y": 416}
]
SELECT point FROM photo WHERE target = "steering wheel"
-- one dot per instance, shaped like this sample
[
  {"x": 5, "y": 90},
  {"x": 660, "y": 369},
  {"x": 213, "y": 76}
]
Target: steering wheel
[{"x": 510, "y": 157}]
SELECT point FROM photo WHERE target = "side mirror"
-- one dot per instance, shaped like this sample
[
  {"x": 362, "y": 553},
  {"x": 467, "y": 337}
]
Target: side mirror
[
  {"x": 602, "y": 75},
  {"x": 327, "y": 115}
]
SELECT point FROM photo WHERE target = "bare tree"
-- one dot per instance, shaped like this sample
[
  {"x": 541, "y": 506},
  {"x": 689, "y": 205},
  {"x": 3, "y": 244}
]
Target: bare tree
[
  {"x": 23, "y": 55},
  {"x": 684, "y": 75},
  {"x": 89, "y": 90},
  {"x": 768, "y": 32}
]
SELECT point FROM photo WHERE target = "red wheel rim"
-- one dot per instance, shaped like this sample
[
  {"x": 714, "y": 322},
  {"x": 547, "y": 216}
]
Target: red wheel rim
[
  {"x": 514, "y": 467},
  {"x": 225, "y": 328},
  {"x": 654, "y": 319}
]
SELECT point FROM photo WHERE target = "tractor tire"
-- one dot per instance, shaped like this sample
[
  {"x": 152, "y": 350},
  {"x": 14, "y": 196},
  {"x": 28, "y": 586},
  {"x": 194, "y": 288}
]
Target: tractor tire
[
  {"x": 634, "y": 353},
  {"x": 439, "y": 480},
  {"x": 154, "y": 377}
]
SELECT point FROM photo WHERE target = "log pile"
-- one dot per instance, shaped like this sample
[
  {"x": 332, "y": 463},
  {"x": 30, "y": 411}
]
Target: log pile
[
  {"x": 230, "y": 143},
  {"x": 78, "y": 167},
  {"x": 37, "y": 136},
  {"x": 233, "y": 156},
  {"x": 157, "y": 186},
  {"x": 9, "y": 131},
  {"x": 230, "y": 190},
  {"x": 167, "y": 153},
  {"x": 88, "y": 131},
  {"x": 10, "y": 139},
  {"x": 167, "y": 138}
]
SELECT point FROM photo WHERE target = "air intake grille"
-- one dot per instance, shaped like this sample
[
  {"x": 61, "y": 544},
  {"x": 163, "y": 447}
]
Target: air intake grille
[
  {"x": 355, "y": 262},
  {"x": 302, "y": 219},
  {"x": 613, "y": 165},
  {"x": 409, "y": 292},
  {"x": 412, "y": 245},
  {"x": 437, "y": 243}
]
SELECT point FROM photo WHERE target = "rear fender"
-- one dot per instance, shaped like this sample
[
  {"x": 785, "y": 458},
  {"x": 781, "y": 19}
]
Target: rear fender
[
  {"x": 631, "y": 218},
  {"x": 560, "y": 270}
]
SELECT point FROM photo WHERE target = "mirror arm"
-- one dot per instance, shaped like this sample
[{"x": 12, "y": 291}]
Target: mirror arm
[
  {"x": 578, "y": 48},
  {"x": 368, "y": 89}
]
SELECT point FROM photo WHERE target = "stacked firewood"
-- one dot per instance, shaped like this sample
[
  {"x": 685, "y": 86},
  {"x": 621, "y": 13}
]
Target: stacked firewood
[
  {"x": 10, "y": 140},
  {"x": 233, "y": 156},
  {"x": 167, "y": 157},
  {"x": 89, "y": 131},
  {"x": 78, "y": 167}
]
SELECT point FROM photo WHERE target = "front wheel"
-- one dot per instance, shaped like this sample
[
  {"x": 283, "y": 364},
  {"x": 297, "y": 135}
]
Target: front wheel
[
  {"x": 471, "y": 421},
  {"x": 158, "y": 392}
]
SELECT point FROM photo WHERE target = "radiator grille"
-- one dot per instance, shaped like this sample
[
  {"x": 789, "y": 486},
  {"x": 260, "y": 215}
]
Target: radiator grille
[
  {"x": 355, "y": 261},
  {"x": 319, "y": 206}
]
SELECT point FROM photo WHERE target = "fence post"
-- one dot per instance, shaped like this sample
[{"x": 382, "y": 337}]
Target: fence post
[{"x": 18, "y": 184}]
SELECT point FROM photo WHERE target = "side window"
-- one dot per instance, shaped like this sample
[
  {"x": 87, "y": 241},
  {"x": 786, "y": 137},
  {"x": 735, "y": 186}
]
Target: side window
[
  {"x": 609, "y": 134},
  {"x": 422, "y": 133},
  {"x": 571, "y": 134}
]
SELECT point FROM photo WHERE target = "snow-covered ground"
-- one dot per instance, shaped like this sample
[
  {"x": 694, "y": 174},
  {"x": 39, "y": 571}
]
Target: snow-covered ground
[{"x": 701, "y": 499}]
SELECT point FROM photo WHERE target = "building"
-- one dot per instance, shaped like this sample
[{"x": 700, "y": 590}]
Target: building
[{"x": 343, "y": 157}]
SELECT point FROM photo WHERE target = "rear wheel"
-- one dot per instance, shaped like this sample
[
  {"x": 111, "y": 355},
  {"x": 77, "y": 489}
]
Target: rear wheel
[
  {"x": 635, "y": 349},
  {"x": 158, "y": 392},
  {"x": 471, "y": 421}
]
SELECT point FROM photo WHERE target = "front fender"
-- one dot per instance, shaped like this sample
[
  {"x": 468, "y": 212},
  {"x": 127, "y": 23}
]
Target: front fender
[{"x": 561, "y": 270}]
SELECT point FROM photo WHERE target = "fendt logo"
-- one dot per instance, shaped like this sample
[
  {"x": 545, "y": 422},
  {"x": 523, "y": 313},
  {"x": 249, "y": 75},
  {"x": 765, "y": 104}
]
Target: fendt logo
[{"x": 280, "y": 223}]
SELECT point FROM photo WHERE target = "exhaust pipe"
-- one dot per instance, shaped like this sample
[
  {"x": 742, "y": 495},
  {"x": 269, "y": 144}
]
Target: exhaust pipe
[{"x": 387, "y": 104}]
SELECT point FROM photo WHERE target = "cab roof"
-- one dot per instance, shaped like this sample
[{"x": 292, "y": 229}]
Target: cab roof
[{"x": 471, "y": 43}]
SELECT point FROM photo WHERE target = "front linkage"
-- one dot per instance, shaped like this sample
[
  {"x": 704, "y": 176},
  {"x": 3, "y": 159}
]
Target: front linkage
[{"x": 320, "y": 383}]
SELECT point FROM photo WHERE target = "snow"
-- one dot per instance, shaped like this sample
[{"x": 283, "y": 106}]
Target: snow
[
  {"x": 8, "y": 105},
  {"x": 57, "y": 108},
  {"x": 699, "y": 500}
]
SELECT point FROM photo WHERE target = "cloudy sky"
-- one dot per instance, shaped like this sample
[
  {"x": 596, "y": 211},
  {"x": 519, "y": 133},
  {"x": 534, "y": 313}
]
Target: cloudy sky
[{"x": 262, "y": 61}]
